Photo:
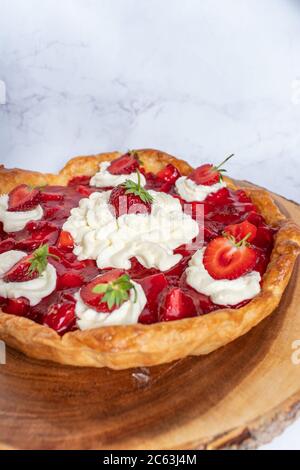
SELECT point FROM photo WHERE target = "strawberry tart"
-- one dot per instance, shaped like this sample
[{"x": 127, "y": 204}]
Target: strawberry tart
[{"x": 136, "y": 259}]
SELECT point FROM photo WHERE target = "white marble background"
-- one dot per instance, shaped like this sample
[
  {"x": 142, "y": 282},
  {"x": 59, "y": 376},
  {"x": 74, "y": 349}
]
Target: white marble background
[{"x": 198, "y": 79}]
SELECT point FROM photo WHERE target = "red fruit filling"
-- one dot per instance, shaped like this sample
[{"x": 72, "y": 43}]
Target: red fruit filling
[
  {"x": 169, "y": 296},
  {"x": 176, "y": 305},
  {"x": 61, "y": 317}
]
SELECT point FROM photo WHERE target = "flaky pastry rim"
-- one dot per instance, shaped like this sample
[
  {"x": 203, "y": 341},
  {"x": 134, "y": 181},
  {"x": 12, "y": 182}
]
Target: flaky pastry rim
[{"x": 122, "y": 347}]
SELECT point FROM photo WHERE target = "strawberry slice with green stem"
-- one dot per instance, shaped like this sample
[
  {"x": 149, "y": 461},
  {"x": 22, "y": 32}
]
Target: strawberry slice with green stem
[
  {"x": 226, "y": 258},
  {"x": 241, "y": 230},
  {"x": 135, "y": 195},
  {"x": 108, "y": 291},
  {"x": 30, "y": 267},
  {"x": 23, "y": 198},
  {"x": 209, "y": 174},
  {"x": 124, "y": 165}
]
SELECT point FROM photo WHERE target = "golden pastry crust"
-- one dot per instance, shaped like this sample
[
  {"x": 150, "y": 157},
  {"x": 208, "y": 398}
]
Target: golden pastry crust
[{"x": 121, "y": 347}]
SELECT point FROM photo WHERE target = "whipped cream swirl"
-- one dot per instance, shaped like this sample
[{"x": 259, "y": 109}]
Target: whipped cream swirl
[
  {"x": 191, "y": 191},
  {"x": 15, "y": 221},
  {"x": 127, "y": 314},
  {"x": 112, "y": 241},
  {"x": 104, "y": 179},
  {"x": 34, "y": 290},
  {"x": 225, "y": 291}
]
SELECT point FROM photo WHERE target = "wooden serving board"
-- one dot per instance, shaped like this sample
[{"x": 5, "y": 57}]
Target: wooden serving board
[{"x": 239, "y": 396}]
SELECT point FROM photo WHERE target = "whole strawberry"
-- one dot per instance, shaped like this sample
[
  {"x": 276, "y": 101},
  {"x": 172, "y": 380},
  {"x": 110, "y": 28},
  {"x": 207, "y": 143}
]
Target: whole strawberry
[{"x": 130, "y": 197}]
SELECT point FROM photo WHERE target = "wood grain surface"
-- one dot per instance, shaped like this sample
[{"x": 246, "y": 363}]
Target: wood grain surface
[{"x": 239, "y": 396}]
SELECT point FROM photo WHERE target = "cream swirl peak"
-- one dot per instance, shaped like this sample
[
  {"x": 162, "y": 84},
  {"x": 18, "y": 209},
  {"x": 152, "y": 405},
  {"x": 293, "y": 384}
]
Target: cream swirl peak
[
  {"x": 191, "y": 191},
  {"x": 112, "y": 241}
]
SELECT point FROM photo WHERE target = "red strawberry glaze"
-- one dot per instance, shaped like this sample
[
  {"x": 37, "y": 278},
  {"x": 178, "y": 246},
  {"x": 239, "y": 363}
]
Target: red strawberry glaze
[{"x": 166, "y": 291}]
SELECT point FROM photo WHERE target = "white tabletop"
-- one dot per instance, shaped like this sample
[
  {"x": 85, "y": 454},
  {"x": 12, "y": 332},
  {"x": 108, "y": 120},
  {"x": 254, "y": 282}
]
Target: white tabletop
[{"x": 197, "y": 79}]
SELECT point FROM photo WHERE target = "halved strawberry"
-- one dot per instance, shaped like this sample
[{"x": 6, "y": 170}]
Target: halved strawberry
[
  {"x": 23, "y": 198},
  {"x": 124, "y": 165},
  {"x": 255, "y": 218},
  {"x": 108, "y": 291},
  {"x": 61, "y": 317},
  {"x": 241, "y": 230},
  {"x": 50, "y": 194},
  {"x": 225, "y": 258},
  {"x": 65, "y": 241},
  {"x": 169, "y": 174},
  {"x": 130, "y": 197},
  {"x": 69, "y": 280},
  {"x": 208, "y": 174},
  {"x": 30, "y": 267},
  {"x": 83, "y": 180},
  {"x": 176, "y": 304}
]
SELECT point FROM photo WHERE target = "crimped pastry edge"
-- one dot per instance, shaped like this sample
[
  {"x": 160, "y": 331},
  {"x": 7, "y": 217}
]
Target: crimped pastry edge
[{"x": 122, "y": 347}]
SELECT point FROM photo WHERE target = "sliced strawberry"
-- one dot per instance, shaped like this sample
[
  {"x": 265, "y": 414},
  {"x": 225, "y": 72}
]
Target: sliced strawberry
[
  {"x": 61, "y": 317},
  {"x": 175, "y": 305},
  {"x": 30, "y": 267},
  {"x": 19, "y": 307},
  {"x": 226, "y": 259},
  {"x": 241, "y": 230},
  {"x": 113, "y": 291},
  {"x": 124, "y": 165},
  {"x": 83, "y": 180},
  {"x": 41, "y": 231},
  {"x": 169, "y": 174},
  {"x": 208, "y": 174},
  {"x": 69, "y": 280},
  {"x": 65, "y": 241},
  {"x": 23, "y": 198},
  {"x": 7, "y": 245},
  {"x": 130, "y": 198}
]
